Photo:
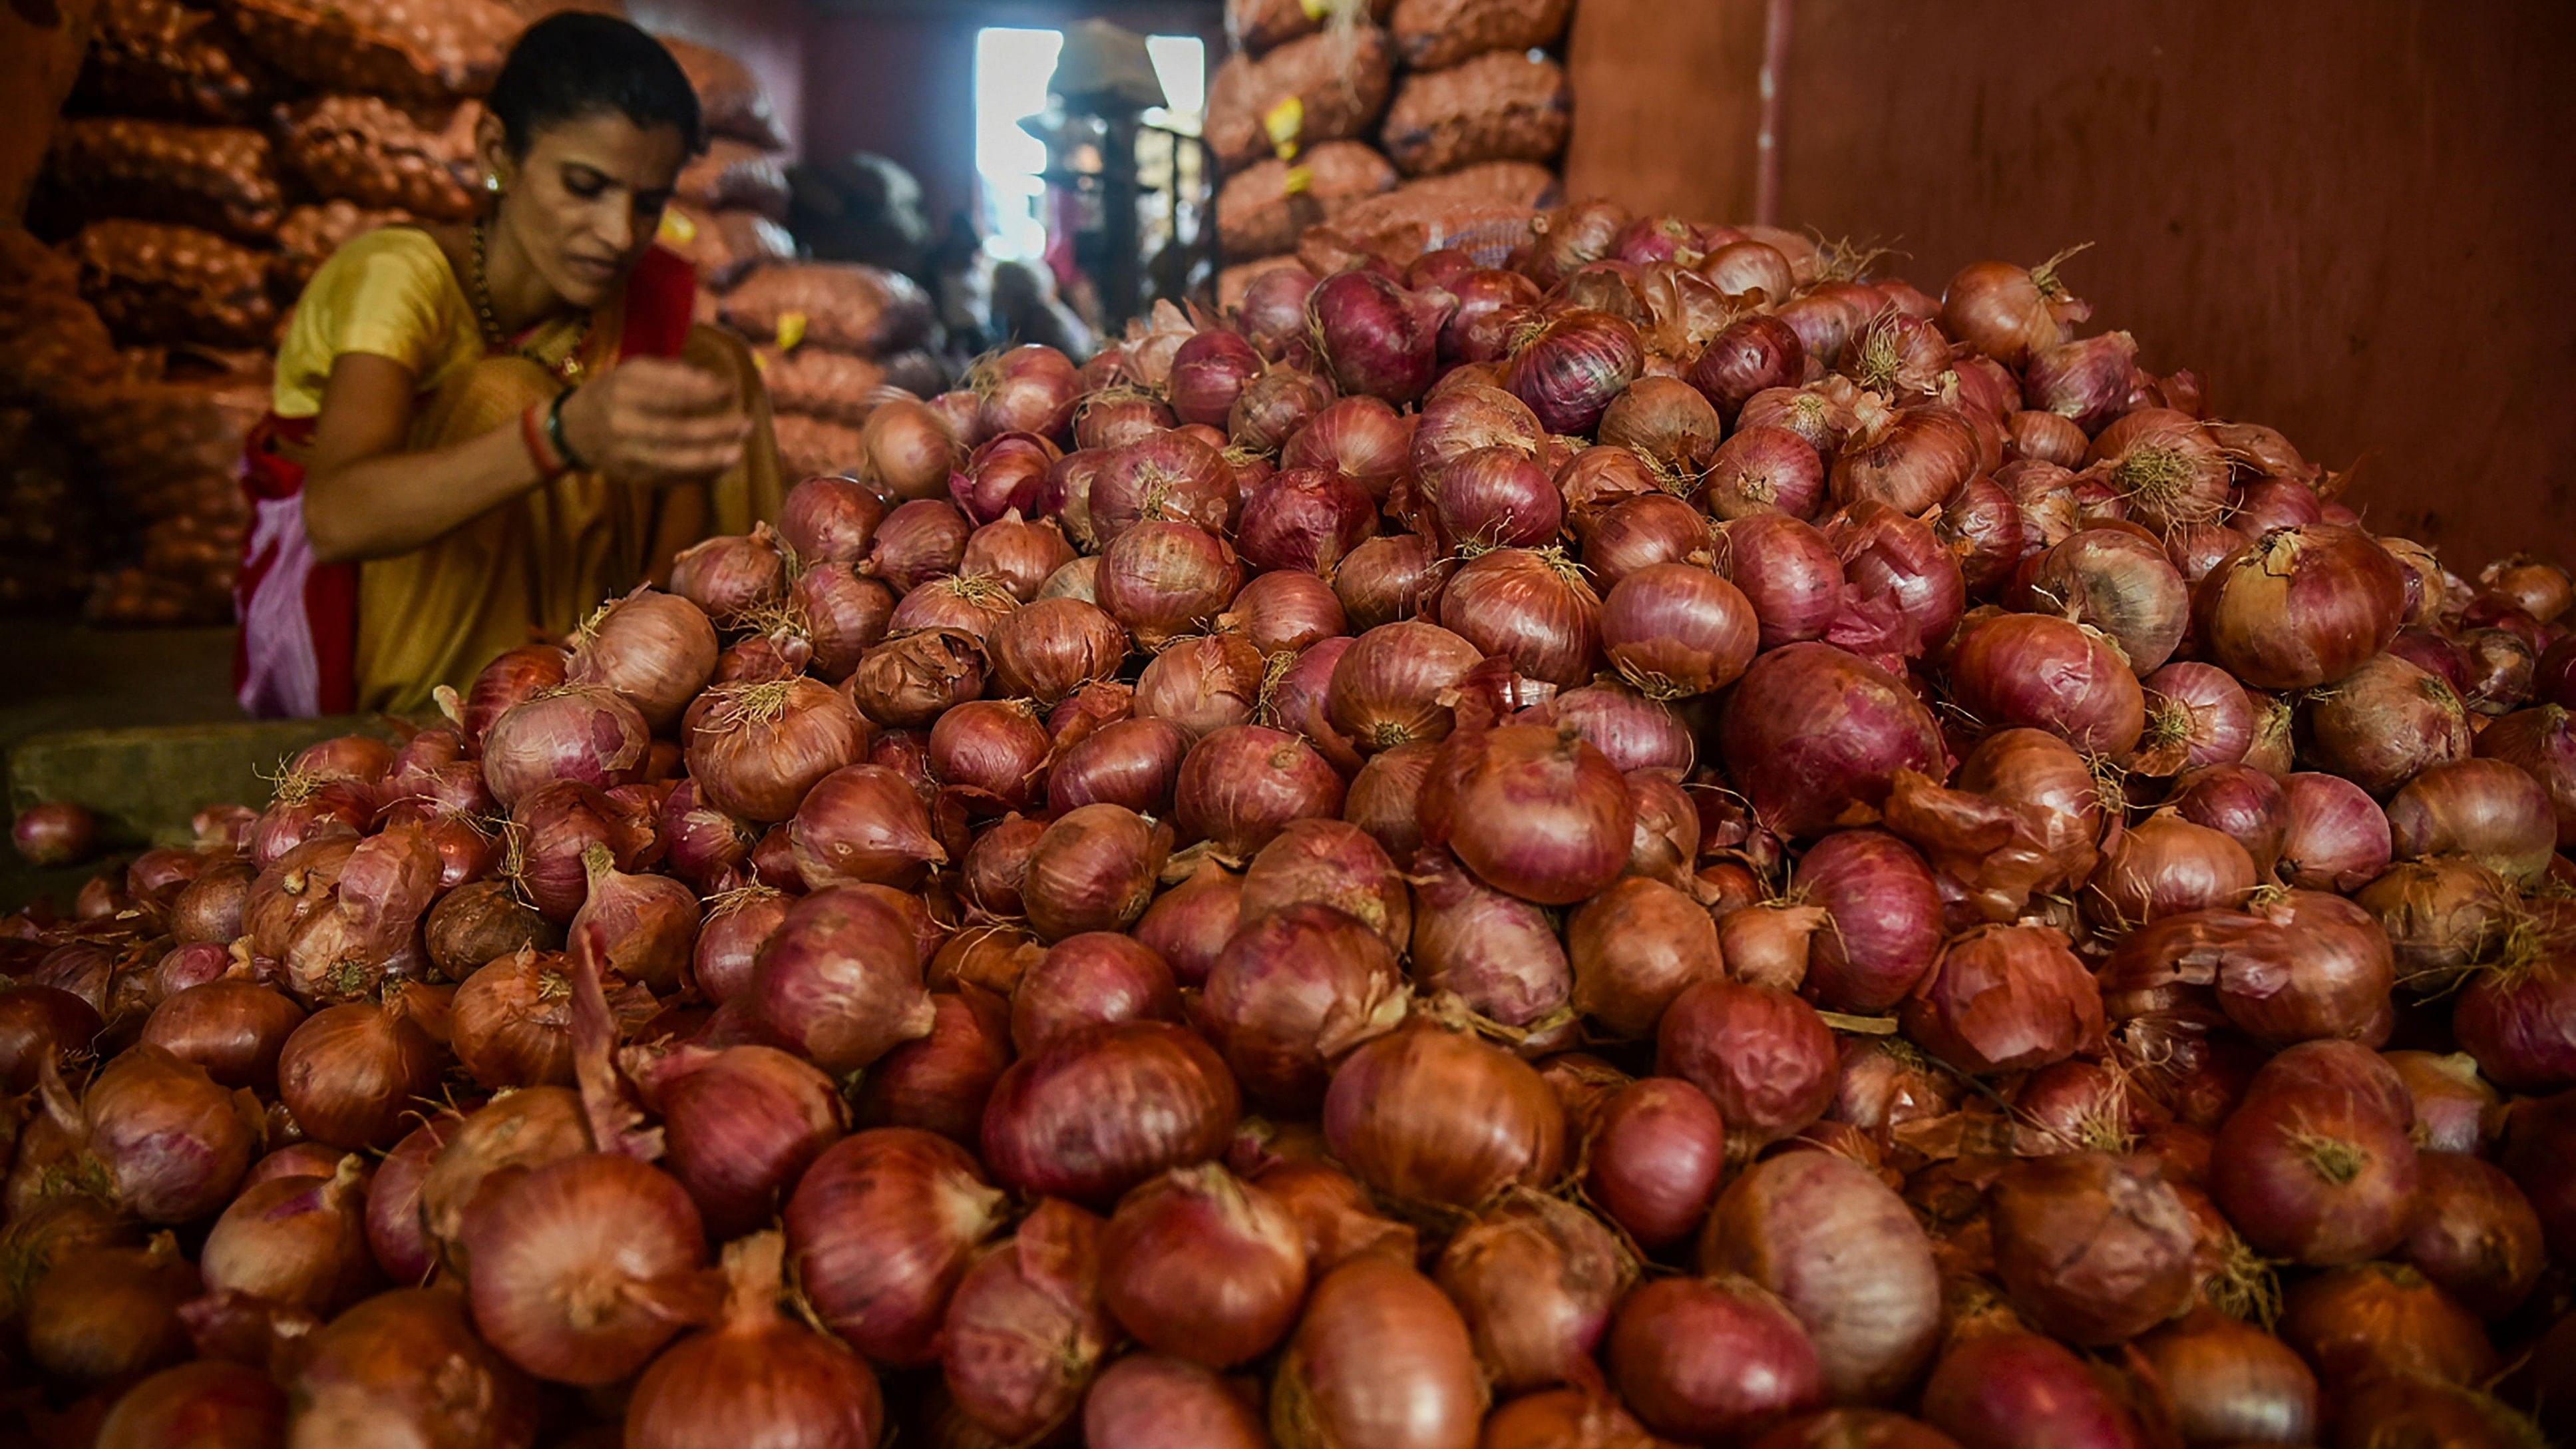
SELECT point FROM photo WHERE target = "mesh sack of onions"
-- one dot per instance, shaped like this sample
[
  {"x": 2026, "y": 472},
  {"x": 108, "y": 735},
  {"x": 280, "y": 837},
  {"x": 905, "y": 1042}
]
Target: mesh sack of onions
[
  {"x": 1260, "y": 25},
  {"x": 1263, "y": 209},
  {"x": 822, "y": 383},
  {"x": 729, "y": 96},
  {"x": 1338, "y": 78},
  {"x": 153, "y": 282},
  {"x": 1499, "y": 106},
  {"x": 310, "y": 234},
  {"x": 838, "y": 304},
  {"x": 223, "y": 178},
  {"x": 161, "y": 58},
  {"x": 408, "y": 49},
  {"x": 724, "y": 245},
  {"x": 418, "y": 158},
  {"x": 1658, "y": 838},
  {"x": 813, "y": 446},
  {"x": 1431, "y": 34},
  {"x": 734, "y": 173}
]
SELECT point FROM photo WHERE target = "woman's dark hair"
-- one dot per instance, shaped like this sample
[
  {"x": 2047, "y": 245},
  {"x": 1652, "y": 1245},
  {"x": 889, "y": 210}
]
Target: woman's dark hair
[{"x": 574, "y": 64}]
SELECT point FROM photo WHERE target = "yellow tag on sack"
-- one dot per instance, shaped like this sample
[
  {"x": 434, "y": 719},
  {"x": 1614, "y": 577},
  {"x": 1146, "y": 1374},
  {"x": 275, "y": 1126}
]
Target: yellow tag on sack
[
  {"x": 1284, "y": 121},
  {"x": 1317, "y": 9},
  {"x": 791, "y": 330},
  {"x": 760, "y": 362},
  {"x": 677, "y": 229},
  {"x": 1301, "y": 179}
]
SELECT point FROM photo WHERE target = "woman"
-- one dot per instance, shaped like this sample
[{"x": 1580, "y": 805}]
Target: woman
[{"x": 483, "y": 430}]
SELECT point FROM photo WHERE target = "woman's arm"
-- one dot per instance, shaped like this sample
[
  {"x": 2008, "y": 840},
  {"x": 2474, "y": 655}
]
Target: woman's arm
[
  {"x": 365, "y": 498},
  {"x": 648, "y": 419}
]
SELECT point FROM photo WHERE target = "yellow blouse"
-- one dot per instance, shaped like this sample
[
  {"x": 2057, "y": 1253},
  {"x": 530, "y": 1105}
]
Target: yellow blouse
[{"x": 537, "y": 565}]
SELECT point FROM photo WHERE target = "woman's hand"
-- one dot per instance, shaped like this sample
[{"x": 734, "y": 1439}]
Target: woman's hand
[{"x": 653, "y": 420}]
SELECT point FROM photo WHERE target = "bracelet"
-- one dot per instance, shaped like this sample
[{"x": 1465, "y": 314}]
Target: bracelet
[
  {"x": 532, "y": 433},
  {"x": 573, "y": 460}
]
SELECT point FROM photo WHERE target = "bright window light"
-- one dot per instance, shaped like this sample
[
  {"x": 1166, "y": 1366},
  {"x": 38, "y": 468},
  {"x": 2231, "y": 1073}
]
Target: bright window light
[
  {"x": 1180, "y": 63},
  {"x": 1012, "y": 69}
]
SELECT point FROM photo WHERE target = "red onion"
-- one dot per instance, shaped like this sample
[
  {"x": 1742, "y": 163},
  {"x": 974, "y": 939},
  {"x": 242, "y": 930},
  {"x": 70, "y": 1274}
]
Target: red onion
[
  {"x": 1152, "y": 1402},
  {"x": 1711, "y": 1359},
  {"x": 1999, "y": 998},
  {"x": 1028, "y": 388},
  {"x": 1638, "y": 532},
  {"x": 1904, "y": 589},
  {"x": 104, "y": 1316},
  {"x": 1380, "y": 1358},
  {"x": 1201, "y": 684},
  {"x": 1763, "y": 469},
  {"x": 1656, "y": 1149},
  {"x": 1286, "y": 612},
  {"x": 2231, "y": 1382},
  {"x": 758, "y": 1372},
  {"x": 1051, "y": 648},
  {"x": 1535, "y": 1278},
  {"x": 589, "y": 735},
  {"x": 996, "y": 862},
  {"x": 1675, "y": 631},
  {"x": 2375, "y": 1320},
  {"x": 1189, "y": 924},
  {"x": 1750, "y": 355},
  {"x": 1765, "y": 1058},
  {"x": 829, "y": 520},
  {"x": 2119, "y": 583},
  {"x": 1574, "y": 364},
  {"x": 2336, "y": 837},
  {"x": 551, "y": 830},
  {"x": 1460, "y": 420},
  {"x": 1357, "y": 438},
  {"x": 1911, "y": 460},
  {"x": 1787, "y": 571},
  {"x": 1169, "y": 477},
  {"x": 1812, "y": 733},
  {"x": 1635, "y": 947},
  {"x": 1667, "y": 421},
  {"x": 2301, "y": 607},
  {"x": 1844, "y": 1253},
  {"x": 233, "y": 1028},
  {"x": 655, "y": 649},
  {"x": 2539, "y": 741},
  {"x": 1094, "y": 979},
  {"x": 731, "y": 576},
  {"x": 2475, "y": 1236},
  {"x": 1130, "y": 762},
  {"x": 881, "y": 1226},
  {"x": 759, "y": 747},
  {"x": 968, "y": 604},
  {"x": 39, "y": 1025},
  {"x": 295, "y": 1242},
  {"x": 2315, "y": 1164},
  {"x": 1208, "y": 372},
  {"x": 705, "y": 843},
  {"x": 919, "y": 541},
  {"x": 1376, "y": 337},
  {"x": 1304, "y": 519},
  {"x": 2095, "y": 1249},
  {"x": 2052, "y": 674},
  {"x": 1090, "y": 1116},
  {"x": 2009, "y": 312},
  {"x": 910, "y": 447},
  {"x": 2329, "y": 974},
  {"x": 2165, "y": 865},
  {"x": 1204, "y": 1266},
  {"x": 1634, "y": 731},
  {"x": 1537, "y": 812},
  {"x": 1496, "y": 498},
  {"x": 1275, "y": 407},
  {"x": 2487, "y": 809},
  {"x": 1026, "y": 1328},
  {"x": 1886, "y": 919},
  {"x": 1332, "y": 863},
  {"x": 2513, "y": 1016},
  {"x": 408, "y": 1364},
  {"x": 1092, "y": 870},
  {"x": 740, "y": 1126},
  {"x": 2008, "y": 1388},
  {"x": 1294, "y": 991},
  {"x": 2384, "y": 723},
  {"x": 495, "y": 1144},
  {"x": 1430, "y": 1115},
  {"x": 2197, "y": 716},
  {"x": 1532, "y": 608},
  {"x": 395, "y": 1233},
  {"x": 351, "y": 1073},
  {"x": 1491, "y": 305},
  {"x": 1388, "y": 578},
  {"x": 2455, "y": 1111},
  {"x": 211, "y": 1403},
  {"x": 2087, "y": 381},
  {"x": 1161, "y": 580},
  {"x": 840, "y": 979},
  {"x": 584, "y": 1268},
  {"x": 1243, "y": 784},
  {"x": 990, "y": 754}
]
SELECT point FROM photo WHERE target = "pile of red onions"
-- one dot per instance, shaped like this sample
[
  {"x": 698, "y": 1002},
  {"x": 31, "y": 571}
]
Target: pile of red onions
[{"x": 1673, "y": 841}]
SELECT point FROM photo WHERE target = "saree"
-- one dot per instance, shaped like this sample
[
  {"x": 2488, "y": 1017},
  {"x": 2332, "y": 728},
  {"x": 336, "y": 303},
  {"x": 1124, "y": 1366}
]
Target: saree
[{"x": 386, "y": 634}]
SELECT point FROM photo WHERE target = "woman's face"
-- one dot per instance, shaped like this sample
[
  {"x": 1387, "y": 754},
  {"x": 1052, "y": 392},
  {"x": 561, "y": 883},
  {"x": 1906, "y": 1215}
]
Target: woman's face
[{"x": 584, "y": 202}]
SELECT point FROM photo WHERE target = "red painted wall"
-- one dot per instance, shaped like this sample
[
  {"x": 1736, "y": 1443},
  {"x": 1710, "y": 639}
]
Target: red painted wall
[{"x": 2354, "y": 220}]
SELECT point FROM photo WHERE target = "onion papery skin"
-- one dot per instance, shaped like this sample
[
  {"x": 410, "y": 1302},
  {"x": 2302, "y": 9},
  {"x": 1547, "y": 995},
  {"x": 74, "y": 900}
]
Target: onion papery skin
[
  {"x": 1291, "y": 993},
  {"x": 1845, "y": 1254},
  {"x": 1204, "y": 1266},
  {"x": 1092, "y": 870},
  {"x": 1787, "y": 570},
  {"x": 2013, "y": 1390},
  {"x": 1432, "y": 1116},
  {"x": 2052, "y": 674},
  {"x": 1813, "y": 736},
  {"x": 1049, "y": 649},
  {"x": 1275, "y": 407},
  {"x": 1910, "y": 461},
  {"x": 2315, "y": 1164},
  {"x": 1635, "y": 732},
  {"x": 1162, "y": 580},
  {"x": 840, "y": 980},
  {"x": 1152, "y": 1402},
  {"x": 2121, "y": 584},
  {"x": 760, "y": 747},
  {"x": 2301, "y": 607},
  {"x": 2004, "y": 998},
  {"x": 298, "y": 1243},
  {"x": 1763, "y": 1056},
  {"x": 2164, "y": 865},
  {"x": 1090, "y": 1117},
  {"x": 2383, "y": 724},
  {"x": 408, "y": 1363},
  {"x": 1305, "y": 519},
  {"x": 1667, "y": 420},
  {"x": 1529, "y": 608},
  {"x": 1381, "y": 1358},
  {"x": 1536, "y": 1278},
  {"x": 1331, "y": 863},
  {"x": 2087, "y": 381},
  {"x": 2375, "y": 1320},
  {"x": 590, "y": 735},
  {"x": 881, "y": 1227},
  {"x": 1712, "y": 1360},
  {"x": 1027, "y": 1328},
  {"x": 1655, "y": 1152}
]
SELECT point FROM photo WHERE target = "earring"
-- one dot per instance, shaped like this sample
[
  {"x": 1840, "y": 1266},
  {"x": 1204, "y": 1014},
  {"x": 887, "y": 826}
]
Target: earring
[{"x": 492, "y": 182}]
